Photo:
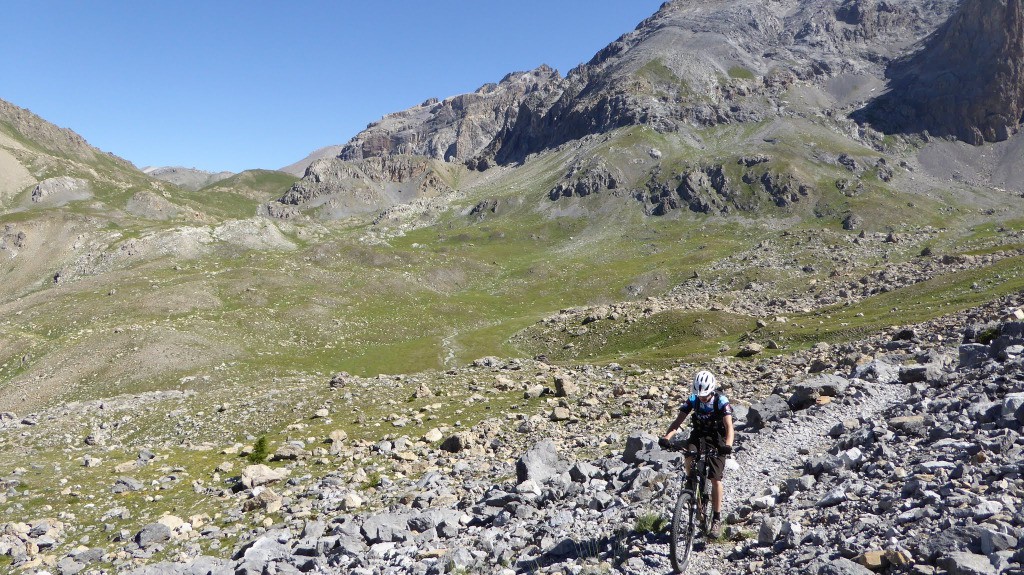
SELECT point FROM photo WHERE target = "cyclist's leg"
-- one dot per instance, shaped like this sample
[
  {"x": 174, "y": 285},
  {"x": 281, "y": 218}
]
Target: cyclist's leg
[
  {"x": 691, "y": 447},
  {"x": 717, "y": 472},
  {"x": 716, "y": 496}
]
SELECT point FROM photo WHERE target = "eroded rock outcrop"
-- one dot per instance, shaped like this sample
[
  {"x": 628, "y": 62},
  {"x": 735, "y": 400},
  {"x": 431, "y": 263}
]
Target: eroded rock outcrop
[
  {"x": 341, "y": 188},
  {"x": 583, "y": 181},
  {"x": 457, "y": 128},
  {"x": 709, "y": 190}
]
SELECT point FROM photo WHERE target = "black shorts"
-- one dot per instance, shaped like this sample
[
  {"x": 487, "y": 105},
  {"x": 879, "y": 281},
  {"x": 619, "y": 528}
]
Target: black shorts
[{"x": 717, "y": 464}]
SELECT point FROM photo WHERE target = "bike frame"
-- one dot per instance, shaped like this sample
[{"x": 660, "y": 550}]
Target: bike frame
[{"x": 695, "y": 502}]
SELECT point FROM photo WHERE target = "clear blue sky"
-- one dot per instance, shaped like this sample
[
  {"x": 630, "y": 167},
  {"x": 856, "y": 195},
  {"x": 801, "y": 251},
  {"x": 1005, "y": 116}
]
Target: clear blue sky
[{"x": 233, "y": 85}]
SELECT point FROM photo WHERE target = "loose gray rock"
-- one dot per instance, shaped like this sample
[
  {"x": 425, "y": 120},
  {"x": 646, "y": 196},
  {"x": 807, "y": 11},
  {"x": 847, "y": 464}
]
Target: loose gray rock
[
  {"x": 540, "y": 463},
  {"x": 771, "y": 408},
  {"x": 806, "y": 393},
  {"x": 771, "y": 529},
  {"x": 152, "y": 534},
  {"x": 964, "y": 563}
]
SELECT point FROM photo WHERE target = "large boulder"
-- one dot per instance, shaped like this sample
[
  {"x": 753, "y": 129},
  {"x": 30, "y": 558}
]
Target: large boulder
[
  {"x": 386, "y": 527},
  {"x": 841, "y": 566},
  {"x": 256, "y": 475},
  {"x": 806, "y": 393},
  {"x": 459, "y": 442},
  {"x": 272, "y": 546},
  {"x": 769, "y": 409},
  {"x": 878, "y": 371},
  {"x": 973, "y": 355},
  {"x": 540, "y": 463},
  {"x": 965, "y": 563},
  {"x": 638, "y": 444},
  {"x": 152, "y": 534},
  {"x": 1013, "y": 409}
]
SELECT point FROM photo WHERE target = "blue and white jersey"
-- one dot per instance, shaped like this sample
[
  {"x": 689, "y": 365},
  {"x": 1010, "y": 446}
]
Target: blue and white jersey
[{"x": 708, "y": 417}]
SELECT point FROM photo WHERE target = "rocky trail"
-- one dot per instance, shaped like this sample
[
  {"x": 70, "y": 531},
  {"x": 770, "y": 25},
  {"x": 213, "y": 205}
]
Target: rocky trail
[{"x": 773, "y": 455}]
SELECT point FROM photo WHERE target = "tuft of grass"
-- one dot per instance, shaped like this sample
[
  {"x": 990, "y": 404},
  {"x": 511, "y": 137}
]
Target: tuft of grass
[
  {"x": 651, "y": 523},
  {"x": 372, "y": 480}
]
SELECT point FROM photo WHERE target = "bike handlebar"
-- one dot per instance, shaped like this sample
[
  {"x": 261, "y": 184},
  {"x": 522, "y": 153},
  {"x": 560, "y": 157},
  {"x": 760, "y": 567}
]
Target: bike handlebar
[{"x": 709, "y": 450}]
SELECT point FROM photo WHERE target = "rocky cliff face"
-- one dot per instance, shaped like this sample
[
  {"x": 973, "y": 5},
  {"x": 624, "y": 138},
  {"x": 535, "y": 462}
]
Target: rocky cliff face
[
  {"x": 456, "y": 128},
  {"x": 687, "y": 66},
  {"x": 341, "y": 188},
  {"x": 691, "y": 66},
  {"x": 966, "y": 83}
]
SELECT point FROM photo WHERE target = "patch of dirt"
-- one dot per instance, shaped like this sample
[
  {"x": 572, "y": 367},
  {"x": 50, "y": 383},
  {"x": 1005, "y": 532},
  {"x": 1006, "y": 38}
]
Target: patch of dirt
[
  {"x": 54, "y": 192},
  {"x": 82, "y": 369},
  {"x": 180, "y": 299},
  {"x": 254, "y": 234},
  {"x": 992, "y": 165},
  {"x": 151, "y": 206},
  {"x": 849, "y": 89}
]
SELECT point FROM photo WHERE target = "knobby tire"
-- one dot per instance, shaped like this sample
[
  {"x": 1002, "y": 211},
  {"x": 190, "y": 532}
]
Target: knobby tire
[{"x": 683, "y": 523}]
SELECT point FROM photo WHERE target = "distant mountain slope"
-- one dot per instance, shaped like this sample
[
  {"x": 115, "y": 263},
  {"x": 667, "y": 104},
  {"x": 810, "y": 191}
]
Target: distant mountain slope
[
  {"x": 299, "y": 168},
  {"x": 457, "y": 128},
  {"x": 43, "y": 136},
  {"x": 188, "y": 178},
  {"x": 44, "y": 166}
]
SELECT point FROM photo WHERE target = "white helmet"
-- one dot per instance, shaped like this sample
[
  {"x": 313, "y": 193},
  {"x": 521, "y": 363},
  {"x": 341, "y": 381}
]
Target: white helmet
[{"x": 704, "y": 383}]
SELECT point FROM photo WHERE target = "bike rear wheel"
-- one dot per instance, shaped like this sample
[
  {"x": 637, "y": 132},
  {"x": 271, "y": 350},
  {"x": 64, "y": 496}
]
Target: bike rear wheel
[{"x": 684, "y": 523}]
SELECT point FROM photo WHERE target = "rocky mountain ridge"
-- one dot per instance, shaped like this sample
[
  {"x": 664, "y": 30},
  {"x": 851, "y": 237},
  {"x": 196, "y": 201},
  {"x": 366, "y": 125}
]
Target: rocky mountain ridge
[
  {"x": 188, "y": 178},
  {"x": 685, "y": 68},
  {"x": 52, "y": 138},
  {"x": 685, "y": 65}
]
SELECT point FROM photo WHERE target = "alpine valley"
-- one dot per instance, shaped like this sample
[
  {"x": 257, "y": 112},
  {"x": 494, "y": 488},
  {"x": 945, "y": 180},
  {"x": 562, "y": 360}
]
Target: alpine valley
[{"x": 449, "y": 344}]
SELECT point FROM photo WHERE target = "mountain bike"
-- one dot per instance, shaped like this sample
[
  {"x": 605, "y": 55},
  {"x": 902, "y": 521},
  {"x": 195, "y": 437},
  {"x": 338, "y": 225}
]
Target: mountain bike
[{"x": 693, "y": 506}]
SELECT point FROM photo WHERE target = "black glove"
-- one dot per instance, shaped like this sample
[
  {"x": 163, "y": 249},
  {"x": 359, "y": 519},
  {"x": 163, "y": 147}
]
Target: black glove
[
  {"x": 725, "y": 450},
  {"x": 664, "y": 443}
]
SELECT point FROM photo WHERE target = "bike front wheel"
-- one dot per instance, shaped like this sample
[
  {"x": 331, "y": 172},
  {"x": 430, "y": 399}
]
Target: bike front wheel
[
  {"x": 684, "y": 523},
  {"x": 704, "y": 508}
]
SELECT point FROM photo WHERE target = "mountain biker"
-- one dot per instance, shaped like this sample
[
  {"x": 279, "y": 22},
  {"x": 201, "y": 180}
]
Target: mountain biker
[{"x": 712, "y": 421}]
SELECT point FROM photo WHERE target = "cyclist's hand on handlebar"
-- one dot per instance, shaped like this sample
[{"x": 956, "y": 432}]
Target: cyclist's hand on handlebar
[
  {"x": 725, "y": 450},
  {"x": 664, "y": 443}
]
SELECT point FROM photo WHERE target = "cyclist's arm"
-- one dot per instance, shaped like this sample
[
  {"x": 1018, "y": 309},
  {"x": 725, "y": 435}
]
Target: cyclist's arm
[
  {"x": 677, "y": 424},
  {"x": 727, "y": 420}
]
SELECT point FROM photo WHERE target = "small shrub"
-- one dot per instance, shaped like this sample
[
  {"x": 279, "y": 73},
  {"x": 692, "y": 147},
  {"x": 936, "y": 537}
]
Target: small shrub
[
  {"x": 260, "y": 450},
  {"x": 987, "y": 336},
  {"x": 372, "y": 480},
  {"x": 650, "y": 523}
]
